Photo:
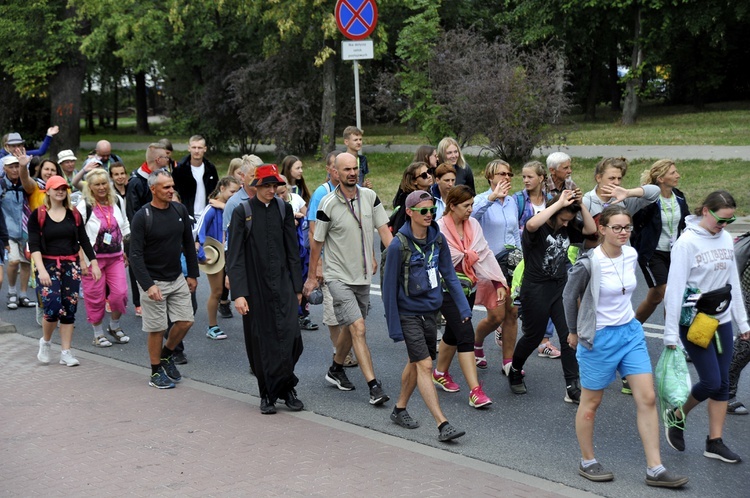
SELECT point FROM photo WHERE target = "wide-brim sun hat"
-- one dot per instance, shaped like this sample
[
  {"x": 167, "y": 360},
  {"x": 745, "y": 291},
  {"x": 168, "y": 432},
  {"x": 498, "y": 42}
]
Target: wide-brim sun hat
[
  {"x": 66, "y": 155},
  {"x": 214, "y": 256}
]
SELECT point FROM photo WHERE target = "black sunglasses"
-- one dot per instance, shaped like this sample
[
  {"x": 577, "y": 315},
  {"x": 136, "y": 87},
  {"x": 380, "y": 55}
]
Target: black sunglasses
[
  {"x": 423, "y": 211},
  {"x": 424, "y": 176}
]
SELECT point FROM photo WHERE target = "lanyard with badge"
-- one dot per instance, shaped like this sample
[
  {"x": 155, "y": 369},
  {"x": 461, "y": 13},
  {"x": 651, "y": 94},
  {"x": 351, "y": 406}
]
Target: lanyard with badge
[
  {"x": 430, "y": 264},
  {"x": 350, "y": 206},
  {"x": 669, "y": 214},
  {"x": 107, "y": 237}
]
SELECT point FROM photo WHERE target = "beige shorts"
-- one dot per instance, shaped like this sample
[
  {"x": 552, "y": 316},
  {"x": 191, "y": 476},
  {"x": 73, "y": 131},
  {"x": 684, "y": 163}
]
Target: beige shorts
[
  {"x": 350, "y": 302},
  {"x": 16, "y": 252},
  {"x": 175, "y": 303},
  {"x": 329, "y": 317}
]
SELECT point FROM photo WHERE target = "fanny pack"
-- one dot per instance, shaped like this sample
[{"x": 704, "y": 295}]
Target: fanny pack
[
  {"x": 466, "y": 284},
  {"x": 716, "y": 301},
  {"x": 704, "y": 326}
]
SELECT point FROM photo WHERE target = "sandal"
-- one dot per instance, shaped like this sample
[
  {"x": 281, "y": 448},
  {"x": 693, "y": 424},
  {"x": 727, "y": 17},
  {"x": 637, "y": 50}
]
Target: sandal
[
  {"x": 118, "y": 335},
  {"x": 25, "y": 302},
  {"x": 101, "y": 342}
]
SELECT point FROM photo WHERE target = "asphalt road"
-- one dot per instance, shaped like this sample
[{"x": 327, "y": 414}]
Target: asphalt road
[{"x": 533, "y": 433}]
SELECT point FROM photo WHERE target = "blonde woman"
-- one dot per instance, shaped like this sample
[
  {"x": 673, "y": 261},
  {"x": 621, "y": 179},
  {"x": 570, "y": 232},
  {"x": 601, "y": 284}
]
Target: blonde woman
[{"x": 450, "y": 152}]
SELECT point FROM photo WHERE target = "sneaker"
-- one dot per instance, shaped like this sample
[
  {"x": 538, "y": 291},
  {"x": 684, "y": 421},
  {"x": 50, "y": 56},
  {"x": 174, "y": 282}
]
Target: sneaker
[
  {"x": 515, "y": 379},
  {"x": 506, "y": 368},
  {"x": 547, "y": 350},
  {"x": 735, "y": 407},
  {"x": 479, "y": 358},
  {"x": 478, "y": 399},
  {"x": 445, "y": 381},
  {"x": 225, "y": 310},
  {"x": 674, "y": 429},
  {"x": 179, "y": 358},
  {"x": 292, "y": 401},
  {"x": 499, "y": 337},
  {"x": 595, "y": 472},
  {"x": 118, "y": 335},
  {"x": 266, "y": 407},
  {"x": 340, "y": 380},
  {"x": 306, "y": 324},
  {"x": 377, "y": 395},
  {"x": 403, "y": 419},
  {"x": 573, "y": 393},
  {"x": 626, "y": 387},
  {"x": 160, "y": 380},
  {"x": 12, "y": 301},
  {"x": 215, "y": 333},
  {"x": 666, "y": 479},
  {"x": 138, "y": 311},
  {"x": 67, "y": 359},
  {"x": 715, "y": 448},
  {"x": 170, "y": 369},
  {"x": 448, "y": 432},
  {"x": 44, "y": 351},
  {"x": 350, "y": 360}
]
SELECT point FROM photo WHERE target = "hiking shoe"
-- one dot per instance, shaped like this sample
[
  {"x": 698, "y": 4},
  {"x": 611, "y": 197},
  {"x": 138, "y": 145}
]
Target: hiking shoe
[
  {"x": 478, "y": 399},
  {"x": 160, "y": 380},
  {"x": 215, "y": 333},
  {"x": 448, "y": 432},
  {"x": 44, "y": 351},
  {"x": 626, "y": 387},
  {"x": 547, "y": 350},
  {"x": 445, "y": 381},
  {"x": 225, "y": 310},
  {"x": 403, "y": 419},
  {"x": 25, "y": 302},
  {"x": 674, "y": 430},
  {"x": 170, "y": 369},
  {"x": 306, "y": 324},
  {"x": 12, "y": 301},
  {"x": 595, "y": 472},
  {"x": 179, "y": 358},
  {"x": 292, "y": 401},
  {"x": 573, "y": 393},
  {"x": 515, "y": 379},
  {"x": 715, "y": 448},
  {"x": 118, "y": 335},
  {"x": 479, "y": 357},
  {"x": 67, "y": 359},
  {"x": 735, "y": 407},
  {"x": 350, "y": 360},
  {"x": 138, "y": 311},
  {"x": 666, "y": 479},
  {"x": 340, "y": 380},
  {"x": 499, "y": 337},
  {"x": 266, "y": 407},
  {"x": 377, "y": 395}
]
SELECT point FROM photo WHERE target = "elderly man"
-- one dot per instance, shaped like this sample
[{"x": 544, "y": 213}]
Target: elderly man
[
  {"x": 67, "y": 161},
  {"x": 345, "y": 222},
  {"x": 558, "y": 164},
  {"x": 103, "y": 153},
  {"x": 161, "y": 232}
]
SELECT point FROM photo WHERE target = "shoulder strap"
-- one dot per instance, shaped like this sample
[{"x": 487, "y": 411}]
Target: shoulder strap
[
  {"x": 41, "y": 216},
  {"x": 405, "y": 259},
  {"x": 521, "y": 201},
  {"x": 282, "y": 207},
  {"x": 149, "y": 219},
  {"x": 248, "y": 217},
  {"x": 89, "y": 210},
  {"x": 77, "y": 216}
]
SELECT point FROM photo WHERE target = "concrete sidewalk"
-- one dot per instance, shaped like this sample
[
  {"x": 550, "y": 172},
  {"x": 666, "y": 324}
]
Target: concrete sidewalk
[{"x": 99, "y": 430}]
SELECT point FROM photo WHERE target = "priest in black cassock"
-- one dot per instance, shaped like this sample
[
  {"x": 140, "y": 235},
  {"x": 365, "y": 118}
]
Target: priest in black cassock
[{"x": 266, "y": 283}]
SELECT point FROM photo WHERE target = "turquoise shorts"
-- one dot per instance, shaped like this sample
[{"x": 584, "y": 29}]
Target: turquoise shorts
[{"x": 617, "y": 348}]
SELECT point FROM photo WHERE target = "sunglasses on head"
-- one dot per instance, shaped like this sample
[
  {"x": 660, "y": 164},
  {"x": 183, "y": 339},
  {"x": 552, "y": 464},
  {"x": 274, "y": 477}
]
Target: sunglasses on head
[
  {"x": 423, "y": 211},
  {"x": 424, "y": 176},
  {"x": 727, "y": 221}
]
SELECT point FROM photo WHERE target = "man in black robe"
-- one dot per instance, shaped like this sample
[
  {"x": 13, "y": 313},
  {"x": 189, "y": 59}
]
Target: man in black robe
[{"x": 266, "y": 283}]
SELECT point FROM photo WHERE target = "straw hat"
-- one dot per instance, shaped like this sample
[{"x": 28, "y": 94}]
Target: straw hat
[{"x": 214, "y": 256}]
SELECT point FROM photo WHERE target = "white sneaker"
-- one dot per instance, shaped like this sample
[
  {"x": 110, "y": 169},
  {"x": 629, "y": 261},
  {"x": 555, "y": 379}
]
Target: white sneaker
[
  {"x": 44, "y": 351},
  {"x": 67, "y": 359}
]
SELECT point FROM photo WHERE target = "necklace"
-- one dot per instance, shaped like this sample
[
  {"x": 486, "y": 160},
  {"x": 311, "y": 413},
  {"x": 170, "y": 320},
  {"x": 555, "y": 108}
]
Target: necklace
[{"x": 615, "y": 267}]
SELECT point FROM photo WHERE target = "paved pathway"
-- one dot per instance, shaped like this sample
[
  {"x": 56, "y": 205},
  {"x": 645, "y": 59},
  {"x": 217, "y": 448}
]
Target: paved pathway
[{"x": 96, "y": 430}]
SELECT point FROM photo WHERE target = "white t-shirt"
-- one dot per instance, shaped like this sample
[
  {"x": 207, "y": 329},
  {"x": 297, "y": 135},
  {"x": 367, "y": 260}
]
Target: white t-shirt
[
  {"x": 297, "y": 202},
  {"x": 614, "y": 307},
  {"x": 200, "y": 190}
]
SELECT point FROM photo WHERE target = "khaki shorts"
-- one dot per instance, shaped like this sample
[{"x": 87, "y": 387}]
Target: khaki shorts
[
  {"x": 175, "y": 303},
  {"x": 350, "y": 302},
  {"x": 16, "y": 252},
  {"x": 329, "y": 317}
]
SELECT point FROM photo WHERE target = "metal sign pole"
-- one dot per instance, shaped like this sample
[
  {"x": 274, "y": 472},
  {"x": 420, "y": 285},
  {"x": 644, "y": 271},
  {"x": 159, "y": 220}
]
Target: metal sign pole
[{"x": 356, "y": 93}]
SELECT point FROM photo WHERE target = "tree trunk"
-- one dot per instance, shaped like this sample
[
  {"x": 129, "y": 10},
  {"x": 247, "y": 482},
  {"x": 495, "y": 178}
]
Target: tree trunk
[
  {"x": 116, "y": 101},
  {"x": 630, "y": 107},
  {"x": 593, "y": 95},
  {"x": 65, "y": 90},
  {"x": 615, "y": 91},
  {"x": 141, "y": 105},
  {"x": 328, "y": 115},
  {"x": 89, "y": 107}
]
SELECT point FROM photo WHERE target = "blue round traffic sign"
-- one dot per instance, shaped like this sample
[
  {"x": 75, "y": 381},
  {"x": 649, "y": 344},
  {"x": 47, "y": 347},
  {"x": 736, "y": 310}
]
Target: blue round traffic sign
[{"x": 356, "y": 19}]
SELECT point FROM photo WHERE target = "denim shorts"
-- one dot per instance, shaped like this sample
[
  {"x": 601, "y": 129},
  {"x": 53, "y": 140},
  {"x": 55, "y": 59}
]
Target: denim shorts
[{"x": 617, "y": 348}]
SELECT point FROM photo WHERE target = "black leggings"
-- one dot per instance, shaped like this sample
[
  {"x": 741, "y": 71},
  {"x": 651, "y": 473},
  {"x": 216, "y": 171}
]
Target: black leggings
[
  {"x": 457, "y": 333},
  {"x": 540, "y": 302},
  {"x": 740, "y": 359}
]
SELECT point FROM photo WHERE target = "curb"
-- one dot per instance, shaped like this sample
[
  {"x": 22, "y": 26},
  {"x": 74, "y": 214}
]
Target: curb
[{"x": 7, "y": 328}]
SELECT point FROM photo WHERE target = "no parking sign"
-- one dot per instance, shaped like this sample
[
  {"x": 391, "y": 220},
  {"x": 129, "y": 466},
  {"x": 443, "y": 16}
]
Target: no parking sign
[{"x": 356, "y": 19}]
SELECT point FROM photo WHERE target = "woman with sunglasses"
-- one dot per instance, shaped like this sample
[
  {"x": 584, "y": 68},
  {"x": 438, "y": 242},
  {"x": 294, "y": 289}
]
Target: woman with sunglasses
[
  {"x": 657, "y": 227},
  {"x": 497, "y": 213},
  {"x": 608, "y": 338},
  {"x": 56, "y": 234},
  {"x": 483, "y": 283},
  {"x": 703, "y": 259},
  {"x": 416, "y": 177}
]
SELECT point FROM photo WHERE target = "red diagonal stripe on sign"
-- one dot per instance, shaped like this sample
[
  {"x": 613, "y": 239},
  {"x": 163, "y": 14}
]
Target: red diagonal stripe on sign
[{"x": 355, "y": 14}]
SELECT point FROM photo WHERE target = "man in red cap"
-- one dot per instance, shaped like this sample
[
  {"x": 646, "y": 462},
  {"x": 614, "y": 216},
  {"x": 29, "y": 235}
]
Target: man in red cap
[{"x": 266, "y": 282}]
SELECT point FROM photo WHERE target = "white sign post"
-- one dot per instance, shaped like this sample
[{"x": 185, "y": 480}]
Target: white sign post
[{"x": 355, "y": 51}]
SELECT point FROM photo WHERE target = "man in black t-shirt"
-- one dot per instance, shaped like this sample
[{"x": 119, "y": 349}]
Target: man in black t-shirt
[{"x": 160, "y": 232}]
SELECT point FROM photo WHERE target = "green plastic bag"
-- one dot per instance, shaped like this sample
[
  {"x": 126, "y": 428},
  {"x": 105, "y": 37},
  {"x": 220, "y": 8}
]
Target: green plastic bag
[{"x": 672, "y": 379}]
